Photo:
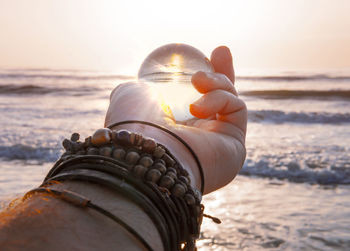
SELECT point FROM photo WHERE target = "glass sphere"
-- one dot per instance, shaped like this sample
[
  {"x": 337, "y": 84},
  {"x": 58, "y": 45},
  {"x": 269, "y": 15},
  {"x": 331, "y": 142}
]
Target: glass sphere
[{"x": 169, "y": 70}]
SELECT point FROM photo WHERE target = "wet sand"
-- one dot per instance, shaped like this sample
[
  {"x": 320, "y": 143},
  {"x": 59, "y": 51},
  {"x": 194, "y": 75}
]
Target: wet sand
[{"x": 264, "y": 214}]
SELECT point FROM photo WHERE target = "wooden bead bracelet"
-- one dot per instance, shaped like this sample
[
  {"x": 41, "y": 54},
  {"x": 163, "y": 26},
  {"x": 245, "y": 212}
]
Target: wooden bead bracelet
[{"x": 145, "y": 158}]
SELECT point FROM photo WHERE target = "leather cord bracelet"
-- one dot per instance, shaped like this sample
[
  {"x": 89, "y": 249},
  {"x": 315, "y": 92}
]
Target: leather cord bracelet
[
  {"x": 123, "y": 188},
  {"x": 100, "y": 173},
  {"x": 80, "y": 201},
  {"x": 80, "y": 167}
]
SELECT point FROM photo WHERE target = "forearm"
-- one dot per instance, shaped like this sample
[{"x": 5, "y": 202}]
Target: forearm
[{"x": 45, "y": 222}]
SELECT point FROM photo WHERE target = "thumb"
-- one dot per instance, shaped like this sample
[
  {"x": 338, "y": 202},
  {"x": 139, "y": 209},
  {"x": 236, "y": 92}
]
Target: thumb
[{"x": 221, "y": 59}]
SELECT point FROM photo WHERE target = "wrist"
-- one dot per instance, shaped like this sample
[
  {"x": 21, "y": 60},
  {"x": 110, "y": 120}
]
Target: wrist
[{"x": 178, "y": 149}]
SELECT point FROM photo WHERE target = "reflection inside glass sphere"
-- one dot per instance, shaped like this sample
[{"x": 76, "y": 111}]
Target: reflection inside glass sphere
[{"x": 169, "y": 70}]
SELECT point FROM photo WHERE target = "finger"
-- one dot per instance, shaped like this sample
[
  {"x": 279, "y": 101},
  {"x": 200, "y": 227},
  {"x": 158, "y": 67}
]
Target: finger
[
  {"x": 227, "y": 106},
  {"x": 217, "y": 102},
  {"x": 206, "y": 81},
  {"x": 221, "y": 59}
]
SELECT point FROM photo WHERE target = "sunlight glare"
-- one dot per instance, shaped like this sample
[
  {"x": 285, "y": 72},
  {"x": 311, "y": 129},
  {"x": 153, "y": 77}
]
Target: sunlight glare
[
  {"x": 174, "y": 99},
  {"x": 176, "y": 63},
  {"x": 157, "y": 95}
]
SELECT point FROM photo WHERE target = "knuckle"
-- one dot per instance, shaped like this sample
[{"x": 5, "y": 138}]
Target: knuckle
[
  {"x": 243, "y": 104},
  {"x": 220, "y": 92}
]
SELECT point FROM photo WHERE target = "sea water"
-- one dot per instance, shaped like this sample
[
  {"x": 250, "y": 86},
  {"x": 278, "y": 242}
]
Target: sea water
[{"x": 292, "y": 193}]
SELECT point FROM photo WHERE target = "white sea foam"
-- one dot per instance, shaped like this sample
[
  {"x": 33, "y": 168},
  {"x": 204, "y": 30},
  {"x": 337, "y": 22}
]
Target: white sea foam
[{"x": 276, "y": 116}]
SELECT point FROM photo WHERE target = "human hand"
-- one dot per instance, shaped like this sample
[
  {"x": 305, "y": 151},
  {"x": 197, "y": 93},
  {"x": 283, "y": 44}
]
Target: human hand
[
  {"x": 222, "y": 119},
  {"x": 217, "y": 135},
  {"x": 219, "y": 109}
]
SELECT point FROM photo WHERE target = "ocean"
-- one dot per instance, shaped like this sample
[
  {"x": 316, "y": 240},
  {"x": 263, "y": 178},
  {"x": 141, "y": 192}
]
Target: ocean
[{"x": 293, "y": 192}]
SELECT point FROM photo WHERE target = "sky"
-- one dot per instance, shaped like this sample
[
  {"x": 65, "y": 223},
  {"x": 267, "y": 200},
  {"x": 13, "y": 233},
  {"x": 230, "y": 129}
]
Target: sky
[{"x": 117, "y": 35}]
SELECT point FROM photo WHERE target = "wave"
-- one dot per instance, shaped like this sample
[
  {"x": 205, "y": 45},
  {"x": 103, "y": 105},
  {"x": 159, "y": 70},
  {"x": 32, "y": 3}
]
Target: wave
[
  {"x": 299, "y": 94},
  {"x": 30, "y": 115},
  {"x": 267, "y": 94},
  {"x": 277, "y": 167},
  {"x": 294, "y": 172},
  {"x": 57, "y": 76},
  {"x": 294, "y": 78},
  {"x": 86, "y": 75},
  {"x": 35, "y": 89},
  {"x": 295, "y": 117},
  {"x": 25, "y": 152}
]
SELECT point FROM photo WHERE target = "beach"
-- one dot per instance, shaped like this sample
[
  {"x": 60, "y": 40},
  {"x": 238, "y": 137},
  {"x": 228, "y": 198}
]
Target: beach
[
  {"x": 262, "y": 214},
  {"x": 292, "y": 193}
]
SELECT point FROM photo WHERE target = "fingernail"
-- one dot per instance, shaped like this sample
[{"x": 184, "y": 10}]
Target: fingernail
[
  {"x": 194, "y": 107},
  {"x": 198, "y": 102},
  {"x": 223, "y": 53},
  {"x": 199, "y": 74}
]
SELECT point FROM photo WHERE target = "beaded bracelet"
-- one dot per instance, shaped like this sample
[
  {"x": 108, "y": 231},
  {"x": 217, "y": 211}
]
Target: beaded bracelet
[
  {"x": 189, "y": 148},
  {"x": 144, "y": 157},
  {"x": 158, "y": 182}
]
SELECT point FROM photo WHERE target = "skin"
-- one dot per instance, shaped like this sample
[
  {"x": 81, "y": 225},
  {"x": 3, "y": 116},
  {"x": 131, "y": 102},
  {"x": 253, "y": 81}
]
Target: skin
[{"x": 217, "y": 136}]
